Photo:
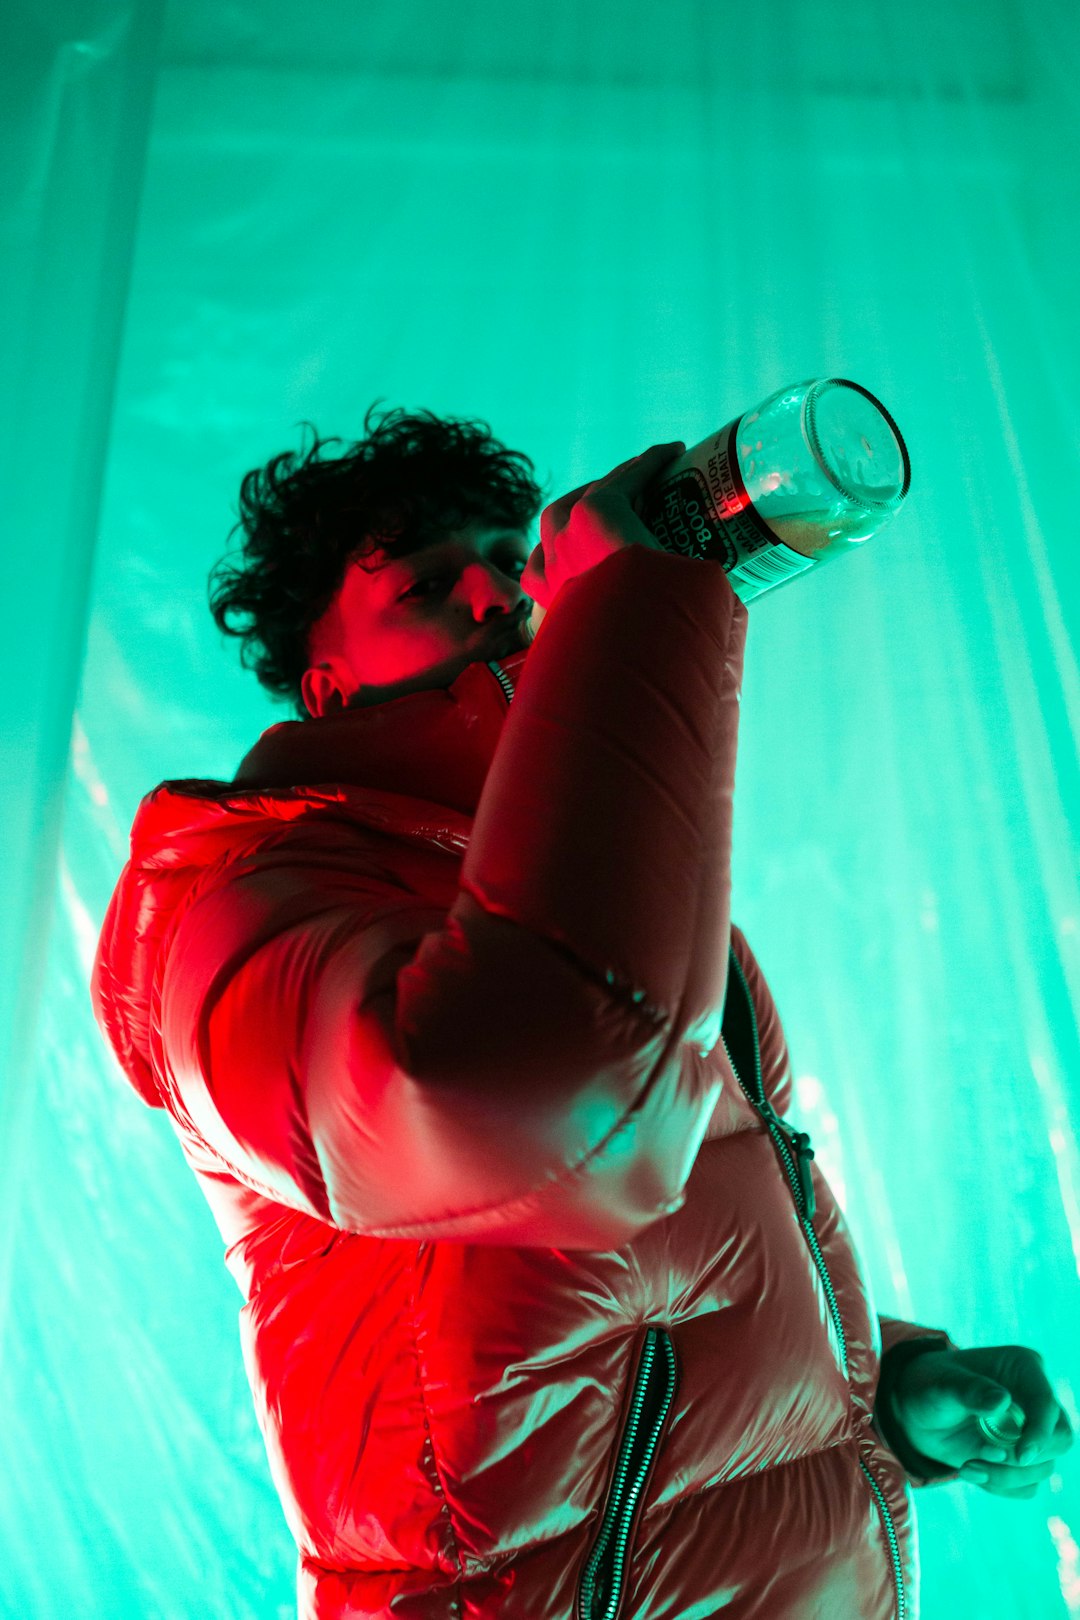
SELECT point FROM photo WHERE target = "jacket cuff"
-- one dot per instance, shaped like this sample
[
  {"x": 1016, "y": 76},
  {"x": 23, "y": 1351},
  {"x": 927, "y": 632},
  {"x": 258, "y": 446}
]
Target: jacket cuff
[{"x": 921, "y": 1470}]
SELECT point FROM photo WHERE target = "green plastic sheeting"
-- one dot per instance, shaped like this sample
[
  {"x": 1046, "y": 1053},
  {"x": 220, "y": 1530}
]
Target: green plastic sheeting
[{"x": 595, "y": 226}]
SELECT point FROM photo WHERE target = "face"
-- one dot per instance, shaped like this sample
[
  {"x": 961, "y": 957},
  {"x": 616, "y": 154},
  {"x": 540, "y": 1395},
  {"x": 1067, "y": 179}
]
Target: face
[{"x": 398, "y": 625}]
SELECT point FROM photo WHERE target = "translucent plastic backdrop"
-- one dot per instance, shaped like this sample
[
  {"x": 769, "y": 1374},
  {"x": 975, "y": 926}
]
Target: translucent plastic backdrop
[{"x": 595, "y": 227}]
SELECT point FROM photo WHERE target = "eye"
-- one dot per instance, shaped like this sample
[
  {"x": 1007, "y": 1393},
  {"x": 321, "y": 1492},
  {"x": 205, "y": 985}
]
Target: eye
[{"x": 420, "y": 588}]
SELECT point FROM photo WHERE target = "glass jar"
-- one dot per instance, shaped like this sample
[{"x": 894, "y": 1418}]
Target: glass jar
[{"x": 810, "y": 473}]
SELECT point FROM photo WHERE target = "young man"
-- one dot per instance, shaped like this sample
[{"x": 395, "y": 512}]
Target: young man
[{"x": 548, "y": 1313}]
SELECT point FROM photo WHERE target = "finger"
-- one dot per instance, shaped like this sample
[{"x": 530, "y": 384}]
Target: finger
[
  {"x": 1006, "y": 1479},
  {"x": 635, "y": 475},
  {"x": 573, "y": 495},
  {"x": 534, "y": 577},
  {"x": 981, "y": 1477},
  {"x": 554, "y": 516},
  {"x": 1058, "y": 1444},
  {"x": 560, "y": 509},
  {"x": 1024, "y": 1493},
  {"x": 655, "y": 453},
  {"x": 630, "y": 478},
  {"x": 535, "y": 565},
  {"x": 1041, "y": 1430}
]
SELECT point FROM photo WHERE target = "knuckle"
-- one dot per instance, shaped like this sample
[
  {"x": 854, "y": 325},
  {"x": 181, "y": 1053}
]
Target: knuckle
[
  {"x": 592, "y": 532},
  {"x": 594, "y": 500}
]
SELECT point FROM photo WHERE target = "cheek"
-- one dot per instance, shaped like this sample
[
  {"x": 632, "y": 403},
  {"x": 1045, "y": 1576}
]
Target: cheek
[{"x": 401, "y": 644}]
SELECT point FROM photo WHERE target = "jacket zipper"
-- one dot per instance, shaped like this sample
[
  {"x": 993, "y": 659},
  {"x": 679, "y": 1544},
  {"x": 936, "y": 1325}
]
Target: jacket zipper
[
  {"x": 601, "y": 1588},
  {"x": 795, "y": 1155},
  {"x": 504, "y": 681},
  {"x": 604, "y": 1572}
]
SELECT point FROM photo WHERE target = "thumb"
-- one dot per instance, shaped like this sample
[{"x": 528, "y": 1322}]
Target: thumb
[{"x": 987, "y": 1397}]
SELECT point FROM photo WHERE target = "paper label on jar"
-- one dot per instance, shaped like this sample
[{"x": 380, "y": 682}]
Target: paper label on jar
[
  {"x": 755, "y": 575},
  {"x": 703, "y": 510}
]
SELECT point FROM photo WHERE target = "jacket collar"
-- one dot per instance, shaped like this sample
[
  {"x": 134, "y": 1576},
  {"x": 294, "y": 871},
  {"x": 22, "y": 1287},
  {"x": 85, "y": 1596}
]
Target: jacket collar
[{"x": 435, "y": 745}]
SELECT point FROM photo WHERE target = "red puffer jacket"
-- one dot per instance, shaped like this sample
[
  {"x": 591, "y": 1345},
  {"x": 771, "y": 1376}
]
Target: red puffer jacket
[{"x": 548, "y": 1314}]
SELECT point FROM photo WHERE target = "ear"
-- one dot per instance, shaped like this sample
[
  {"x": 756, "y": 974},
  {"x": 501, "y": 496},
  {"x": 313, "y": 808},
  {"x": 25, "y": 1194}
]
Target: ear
[{"x": 323, "y": 688}]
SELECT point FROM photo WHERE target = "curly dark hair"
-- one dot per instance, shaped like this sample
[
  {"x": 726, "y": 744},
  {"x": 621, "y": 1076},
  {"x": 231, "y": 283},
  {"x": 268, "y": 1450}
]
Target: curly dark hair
[{"x": 410, "y": 480}]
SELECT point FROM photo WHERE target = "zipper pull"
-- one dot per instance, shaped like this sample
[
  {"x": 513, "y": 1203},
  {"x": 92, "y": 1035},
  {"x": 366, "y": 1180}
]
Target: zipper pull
[{"x": 804, "y": 1152}]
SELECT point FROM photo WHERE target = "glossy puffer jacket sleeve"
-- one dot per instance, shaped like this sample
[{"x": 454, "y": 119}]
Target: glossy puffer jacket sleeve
[{"x": 514, "y": 1070}]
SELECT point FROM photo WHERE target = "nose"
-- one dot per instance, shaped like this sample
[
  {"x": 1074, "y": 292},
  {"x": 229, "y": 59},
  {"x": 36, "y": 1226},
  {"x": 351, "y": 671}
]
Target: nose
[{"x": 494, "y": 593}]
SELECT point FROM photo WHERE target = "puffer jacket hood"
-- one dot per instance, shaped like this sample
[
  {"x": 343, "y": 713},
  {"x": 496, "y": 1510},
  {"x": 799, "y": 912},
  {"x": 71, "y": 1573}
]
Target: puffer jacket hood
[{"x": 549, "y": 1311}]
